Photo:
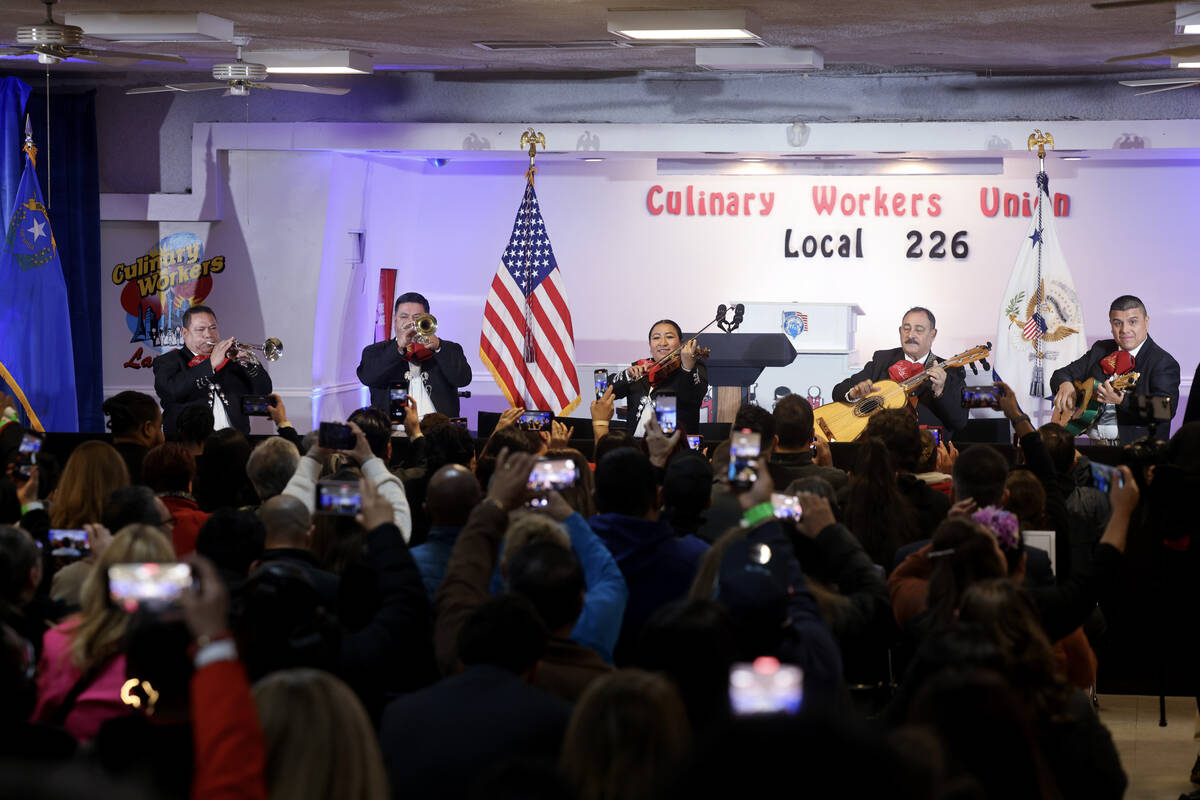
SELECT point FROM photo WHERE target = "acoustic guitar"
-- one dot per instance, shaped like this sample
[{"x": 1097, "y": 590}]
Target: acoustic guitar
[
  {"x": 845, "y": 421},
  {"x": 1088, "y": 406}
]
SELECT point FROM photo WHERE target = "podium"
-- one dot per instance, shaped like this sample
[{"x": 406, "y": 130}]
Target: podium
[{"x": 760, "y": 363}]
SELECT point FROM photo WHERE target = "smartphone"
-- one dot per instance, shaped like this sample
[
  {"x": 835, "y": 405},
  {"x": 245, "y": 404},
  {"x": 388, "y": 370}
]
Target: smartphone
[
  {"x": 460, "y": 422},
  {"x": 938, "y": 434},
  {"x": 68, "y": 542},
  {"x": 695, "y": 441},
  {"x": 1104, "y": 476},
  {"x": 397, "y": 402},
  {"x": 666, "y": 412},
  {"x": 600, "y": 377},
  {"x": 982, "y": 396},
  {"x": 257, "y": 405},
  {"x": 338, "y": 498},
  {"x": 765, "y": 687},
  {"x": 787, "y": 506},
  {"x": 154, "y": 586},
  {"x": 535, "y": 420},
  {"x": 743, "y": 452},
  {"x": 551, "y": 474},
  {"x": 31, "y": 445},
  {"x": 335, "y": 436}
]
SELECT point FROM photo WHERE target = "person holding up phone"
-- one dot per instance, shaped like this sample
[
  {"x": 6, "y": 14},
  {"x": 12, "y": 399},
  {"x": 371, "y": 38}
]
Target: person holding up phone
[
  {"x": 689, "y": 383},
  {"x": 430, "y": 369},
  {"x": 349, "y": 440}
]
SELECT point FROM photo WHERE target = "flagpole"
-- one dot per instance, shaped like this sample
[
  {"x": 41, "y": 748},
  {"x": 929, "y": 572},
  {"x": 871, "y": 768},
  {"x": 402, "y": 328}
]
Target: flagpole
[
  {"x": 1037, "y": 384},
  {"x": 531, "y": 139}
]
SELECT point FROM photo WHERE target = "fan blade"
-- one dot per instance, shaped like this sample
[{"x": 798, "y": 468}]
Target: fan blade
[
  {"x": 1158, "y": 81},
  {"x": 1179, "y": 52},
  {"x": 1128, "y": 4},
  {"x": 300, "y": 87},
  {"x": 16, "y": 51},
  {"x": 179, "y": 87},
  {"x": 94, "y": 58},
  {"x": 123, "y": 54},
  {"x": 1168, "y": 88}
]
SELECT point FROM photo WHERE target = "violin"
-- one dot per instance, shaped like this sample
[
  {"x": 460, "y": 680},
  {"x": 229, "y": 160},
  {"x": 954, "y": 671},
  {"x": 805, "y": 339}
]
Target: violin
[{"x": 658, "y": 370}]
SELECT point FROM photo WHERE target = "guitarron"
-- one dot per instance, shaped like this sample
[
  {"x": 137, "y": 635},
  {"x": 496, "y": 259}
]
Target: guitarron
[{"x": 845, "y": 421}]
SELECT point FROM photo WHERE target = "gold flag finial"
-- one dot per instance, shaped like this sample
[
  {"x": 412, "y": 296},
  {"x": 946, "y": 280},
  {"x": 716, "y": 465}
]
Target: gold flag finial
[
  {"x": 531, "y": 139},
  {"x": 1041, "y": 140}
]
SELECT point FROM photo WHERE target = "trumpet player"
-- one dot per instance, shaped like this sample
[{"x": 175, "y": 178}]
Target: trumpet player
[
  {"x": 208, "y": 371},
  {"x": 430, "y": 368}
]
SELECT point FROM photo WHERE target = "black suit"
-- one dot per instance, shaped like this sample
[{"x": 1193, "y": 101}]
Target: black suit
[
  {"x": 946, "y": 411},
  {"x": 437, "y": 742},
  {"x": 382, "y": 365},
  {"x": 1159, "y": 375},
  {"x": 689, "y": 389},
  {"x": 178, "y": 385},
  {"x": 1192, "y": 413}
]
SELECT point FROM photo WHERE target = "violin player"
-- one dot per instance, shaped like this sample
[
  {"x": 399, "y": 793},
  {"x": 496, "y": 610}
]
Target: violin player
[{"x": 673, "y": 366}]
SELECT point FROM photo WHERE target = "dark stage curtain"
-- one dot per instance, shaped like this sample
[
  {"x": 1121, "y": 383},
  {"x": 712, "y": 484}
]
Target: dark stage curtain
[{"x": 72, "y": 193}]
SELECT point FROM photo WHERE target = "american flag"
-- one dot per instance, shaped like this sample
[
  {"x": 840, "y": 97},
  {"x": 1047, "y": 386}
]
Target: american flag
[
  {"x": 528, "y": 343},
  {"x": 1034, "y": 328}
]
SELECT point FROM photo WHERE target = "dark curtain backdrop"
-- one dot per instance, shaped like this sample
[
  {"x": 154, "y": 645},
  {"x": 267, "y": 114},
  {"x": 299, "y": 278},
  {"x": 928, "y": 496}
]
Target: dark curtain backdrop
[
  {"x": 13, "y": 95},
  {"x": 72, "y": 193}
]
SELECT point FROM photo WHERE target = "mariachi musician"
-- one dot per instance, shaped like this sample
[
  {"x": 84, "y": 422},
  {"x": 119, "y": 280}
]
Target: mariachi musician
[{"x": 673, "y": 366}]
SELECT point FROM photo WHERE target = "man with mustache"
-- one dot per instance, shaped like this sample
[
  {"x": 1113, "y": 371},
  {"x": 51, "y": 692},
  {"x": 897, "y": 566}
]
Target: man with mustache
[
  {"x": 939, "y": 399},
  {"x": 1119, "y": 423}
]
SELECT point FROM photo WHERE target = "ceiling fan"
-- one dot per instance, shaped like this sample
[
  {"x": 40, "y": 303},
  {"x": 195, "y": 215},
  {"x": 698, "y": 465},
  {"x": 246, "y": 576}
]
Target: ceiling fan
[
  {"x": 52, "y": 42},
  {"x": 1167, "y": 84},
  {"x": 238, "y": 78}
]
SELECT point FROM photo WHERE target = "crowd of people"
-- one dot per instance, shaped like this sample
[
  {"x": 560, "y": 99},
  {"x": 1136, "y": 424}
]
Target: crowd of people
[{"x": 465, "y": 634}]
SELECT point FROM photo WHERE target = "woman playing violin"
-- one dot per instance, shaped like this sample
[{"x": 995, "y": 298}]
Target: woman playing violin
[{"x": 675, "y": 367}]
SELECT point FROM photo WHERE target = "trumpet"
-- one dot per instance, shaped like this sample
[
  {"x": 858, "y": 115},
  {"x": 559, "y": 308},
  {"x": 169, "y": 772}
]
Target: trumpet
[
  {"x": 425, "y": 325},
  {"x": 271, "y": 349}
]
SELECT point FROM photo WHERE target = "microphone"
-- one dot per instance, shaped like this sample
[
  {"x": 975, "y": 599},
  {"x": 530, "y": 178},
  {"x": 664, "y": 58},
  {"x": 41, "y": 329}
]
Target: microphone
[
  {"x": 464, "y": 394},
  {"x": 739, "y": 311},
  {"x": 722, "y": 310},
  {"x": 974, "y": 368},
  {"x": 983, "y": 362}
]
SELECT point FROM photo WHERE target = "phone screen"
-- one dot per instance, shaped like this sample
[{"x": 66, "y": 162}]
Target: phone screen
[
  {"x": 460, "y": 422},
  {"x": 551, "y": 475},
  {"x": 666, "y": 412},
  {"x": 765, "y": 687},
  {"x": 936, "y": 432},
  {"x": 339, "y": 498},
  {"x": 695, "y": 441},
  {"x": 397, "y": 402},
  {"x": 787, "y": 506},
  {"x": 335, "y": 436},
  {"x": 69, "y": 543},
  {"x": 981, "y": 396},
  {"x": 1104, "y": 476},
  {"x": 743, "y": 452},
  {"x": 31, "y": 445},
  {"x": 601, "y": 378},
  {"x": 133, "y": 586},
  {"x": 535, "y": 420},
  {"x": 256, "y": 405}
]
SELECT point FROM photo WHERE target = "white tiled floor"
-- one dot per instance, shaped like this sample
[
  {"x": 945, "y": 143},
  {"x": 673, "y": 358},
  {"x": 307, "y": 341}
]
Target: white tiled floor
[{"x": 1156, "y": 760}]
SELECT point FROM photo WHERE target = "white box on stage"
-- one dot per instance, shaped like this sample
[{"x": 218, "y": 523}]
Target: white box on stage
[{"x": 823, "y": 336}]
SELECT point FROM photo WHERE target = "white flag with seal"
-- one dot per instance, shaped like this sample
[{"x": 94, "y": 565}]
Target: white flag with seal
[{"x": 1041, "y": 322}]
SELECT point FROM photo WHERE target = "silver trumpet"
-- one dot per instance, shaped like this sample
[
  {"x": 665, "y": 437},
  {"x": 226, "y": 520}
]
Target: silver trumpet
[{"x": 271, "y": 349}]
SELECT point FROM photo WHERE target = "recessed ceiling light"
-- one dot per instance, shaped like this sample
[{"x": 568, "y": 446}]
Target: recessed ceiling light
[
  {"x": 1074, "y": 158},
  {"x": 693, "y": 25},
  {"x": 751, "y": 160},
  {"x": 593, "y": 160},
  {"x": 312, "y": 62},
  {"x": 1188, "y": 64}
]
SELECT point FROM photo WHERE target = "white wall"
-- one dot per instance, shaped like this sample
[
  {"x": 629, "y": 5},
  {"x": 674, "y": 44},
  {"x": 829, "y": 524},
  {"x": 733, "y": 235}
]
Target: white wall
[{"x": 287, "y": 219}]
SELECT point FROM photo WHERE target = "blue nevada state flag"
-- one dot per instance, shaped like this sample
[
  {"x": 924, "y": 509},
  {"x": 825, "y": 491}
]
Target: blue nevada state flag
[
  {"x": 1041, "y": 321},
  {"x": 35, "y": 326}
]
